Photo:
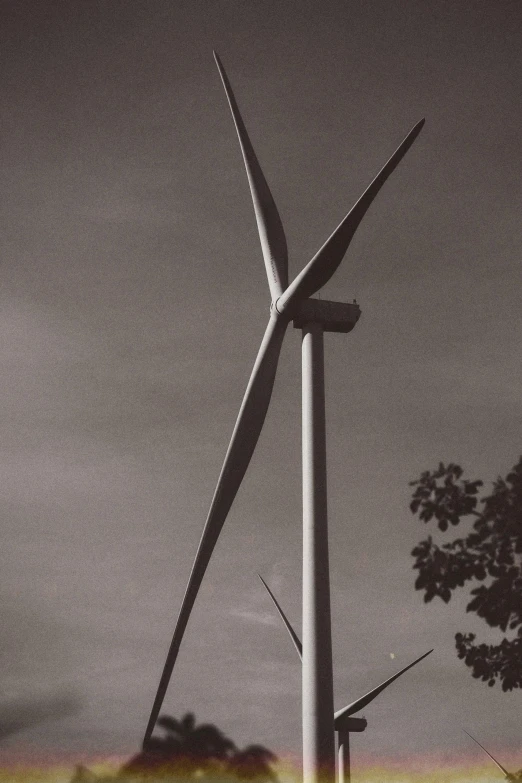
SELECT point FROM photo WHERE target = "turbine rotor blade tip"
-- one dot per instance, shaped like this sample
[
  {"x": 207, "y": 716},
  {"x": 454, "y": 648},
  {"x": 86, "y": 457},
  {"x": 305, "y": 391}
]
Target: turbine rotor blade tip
[
  {"x": 414, "y": 132},
  {"x": 269, "y": 225},
  {"x": 320, "y": 269}
]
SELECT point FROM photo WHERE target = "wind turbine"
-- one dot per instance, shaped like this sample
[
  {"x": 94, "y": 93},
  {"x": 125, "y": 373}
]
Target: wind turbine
[
  {"x": 344, "y": 723},
  {"x": 288, "y": 302},
  {"x": 508, "y": 775}
]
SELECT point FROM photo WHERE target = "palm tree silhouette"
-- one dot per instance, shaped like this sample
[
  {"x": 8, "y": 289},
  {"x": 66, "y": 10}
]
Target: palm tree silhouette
[
  {"x": 198, "y": 751},
  {"x": 186, "y": 749},
  {"x": 253, "y": 763}
]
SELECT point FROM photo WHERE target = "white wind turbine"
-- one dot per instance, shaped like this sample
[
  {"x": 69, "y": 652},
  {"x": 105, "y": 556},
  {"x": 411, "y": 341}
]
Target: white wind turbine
[
  {"x": 344, "y": 723},
  {"x": 508, "y": 775},
  {"x": 288, "y": 302}
]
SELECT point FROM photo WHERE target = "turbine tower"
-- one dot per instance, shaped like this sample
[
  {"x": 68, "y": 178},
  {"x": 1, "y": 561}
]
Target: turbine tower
[
  {"x": 288, "y": 302},
  {"x": 508, "y": 775},
  {"x": 344, "y": 723}
]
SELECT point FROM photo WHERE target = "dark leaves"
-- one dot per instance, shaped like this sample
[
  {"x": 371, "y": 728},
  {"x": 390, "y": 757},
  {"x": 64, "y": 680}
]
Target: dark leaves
[
  {"x": 442, "y": 495},
  {"x": 491, "y": 554},
  {"x": 492, "y": 662}
]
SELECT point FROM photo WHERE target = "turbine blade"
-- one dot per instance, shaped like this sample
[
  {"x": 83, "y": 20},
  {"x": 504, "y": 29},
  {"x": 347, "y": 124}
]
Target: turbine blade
[
  {"x": 322, "y": 266},
  {"x": 242, "y": 444},
  {"x": 355, "y": 706},
  {"x": 506, "y": 773},
  {"x": 269, "y": 225},
  {"x": 293, "y": 635}
]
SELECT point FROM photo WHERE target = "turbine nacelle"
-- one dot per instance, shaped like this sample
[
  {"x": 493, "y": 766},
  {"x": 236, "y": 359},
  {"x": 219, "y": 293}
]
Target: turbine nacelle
[
  {"x": 345, "y": 723},
  {"x": 332, "y": 316}
]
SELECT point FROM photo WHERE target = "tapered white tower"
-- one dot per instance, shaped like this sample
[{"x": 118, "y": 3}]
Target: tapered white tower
[{"x": 317, "y": 317}]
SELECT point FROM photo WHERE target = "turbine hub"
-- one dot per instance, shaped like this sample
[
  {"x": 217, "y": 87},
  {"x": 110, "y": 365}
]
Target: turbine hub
[{"x": 281, "y": 308}]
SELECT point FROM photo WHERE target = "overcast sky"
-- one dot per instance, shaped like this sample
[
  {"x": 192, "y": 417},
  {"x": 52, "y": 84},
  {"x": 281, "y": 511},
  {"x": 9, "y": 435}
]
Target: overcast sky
[{"x": 133, "y": 301}]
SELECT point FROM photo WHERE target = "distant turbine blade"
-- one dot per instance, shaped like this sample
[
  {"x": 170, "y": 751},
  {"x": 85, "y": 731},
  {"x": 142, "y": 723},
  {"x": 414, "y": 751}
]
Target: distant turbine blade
[
  {"x": 355, "y": 706},
  {"x": 269, "y": 225},
  {"x": 506, "y": 773},
  {"x": 242, "y": 444},
  {"x": 322, "y": 266},
  {"x": 293, "y": 635}
]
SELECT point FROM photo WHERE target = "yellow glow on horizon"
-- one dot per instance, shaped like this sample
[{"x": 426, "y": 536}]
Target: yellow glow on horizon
[{"x": 415, "y": 770}]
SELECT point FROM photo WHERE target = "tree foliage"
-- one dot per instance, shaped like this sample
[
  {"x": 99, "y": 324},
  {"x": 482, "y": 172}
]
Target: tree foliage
[
  {"x": 199, "y": 751},
  {"x": 489, "y": 557}
]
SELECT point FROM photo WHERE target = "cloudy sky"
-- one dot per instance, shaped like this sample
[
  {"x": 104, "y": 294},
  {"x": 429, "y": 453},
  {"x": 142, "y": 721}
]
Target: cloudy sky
[{"x": 133, "y": 300}]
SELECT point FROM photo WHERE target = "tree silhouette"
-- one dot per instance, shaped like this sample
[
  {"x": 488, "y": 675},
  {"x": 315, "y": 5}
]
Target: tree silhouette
[
  {"x": 253, "y": 763},
  {"x": 83, "y": 775},
  {"x": 490, "y": 554},
  {"x": 194, "y": 751},
  {"x": 185, "y": 749}
]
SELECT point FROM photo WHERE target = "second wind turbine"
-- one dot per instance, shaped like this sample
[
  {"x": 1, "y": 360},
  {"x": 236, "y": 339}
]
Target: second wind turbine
[
  {"x": 344, "y": 723},
  {"x": 289, "y": 302}
]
